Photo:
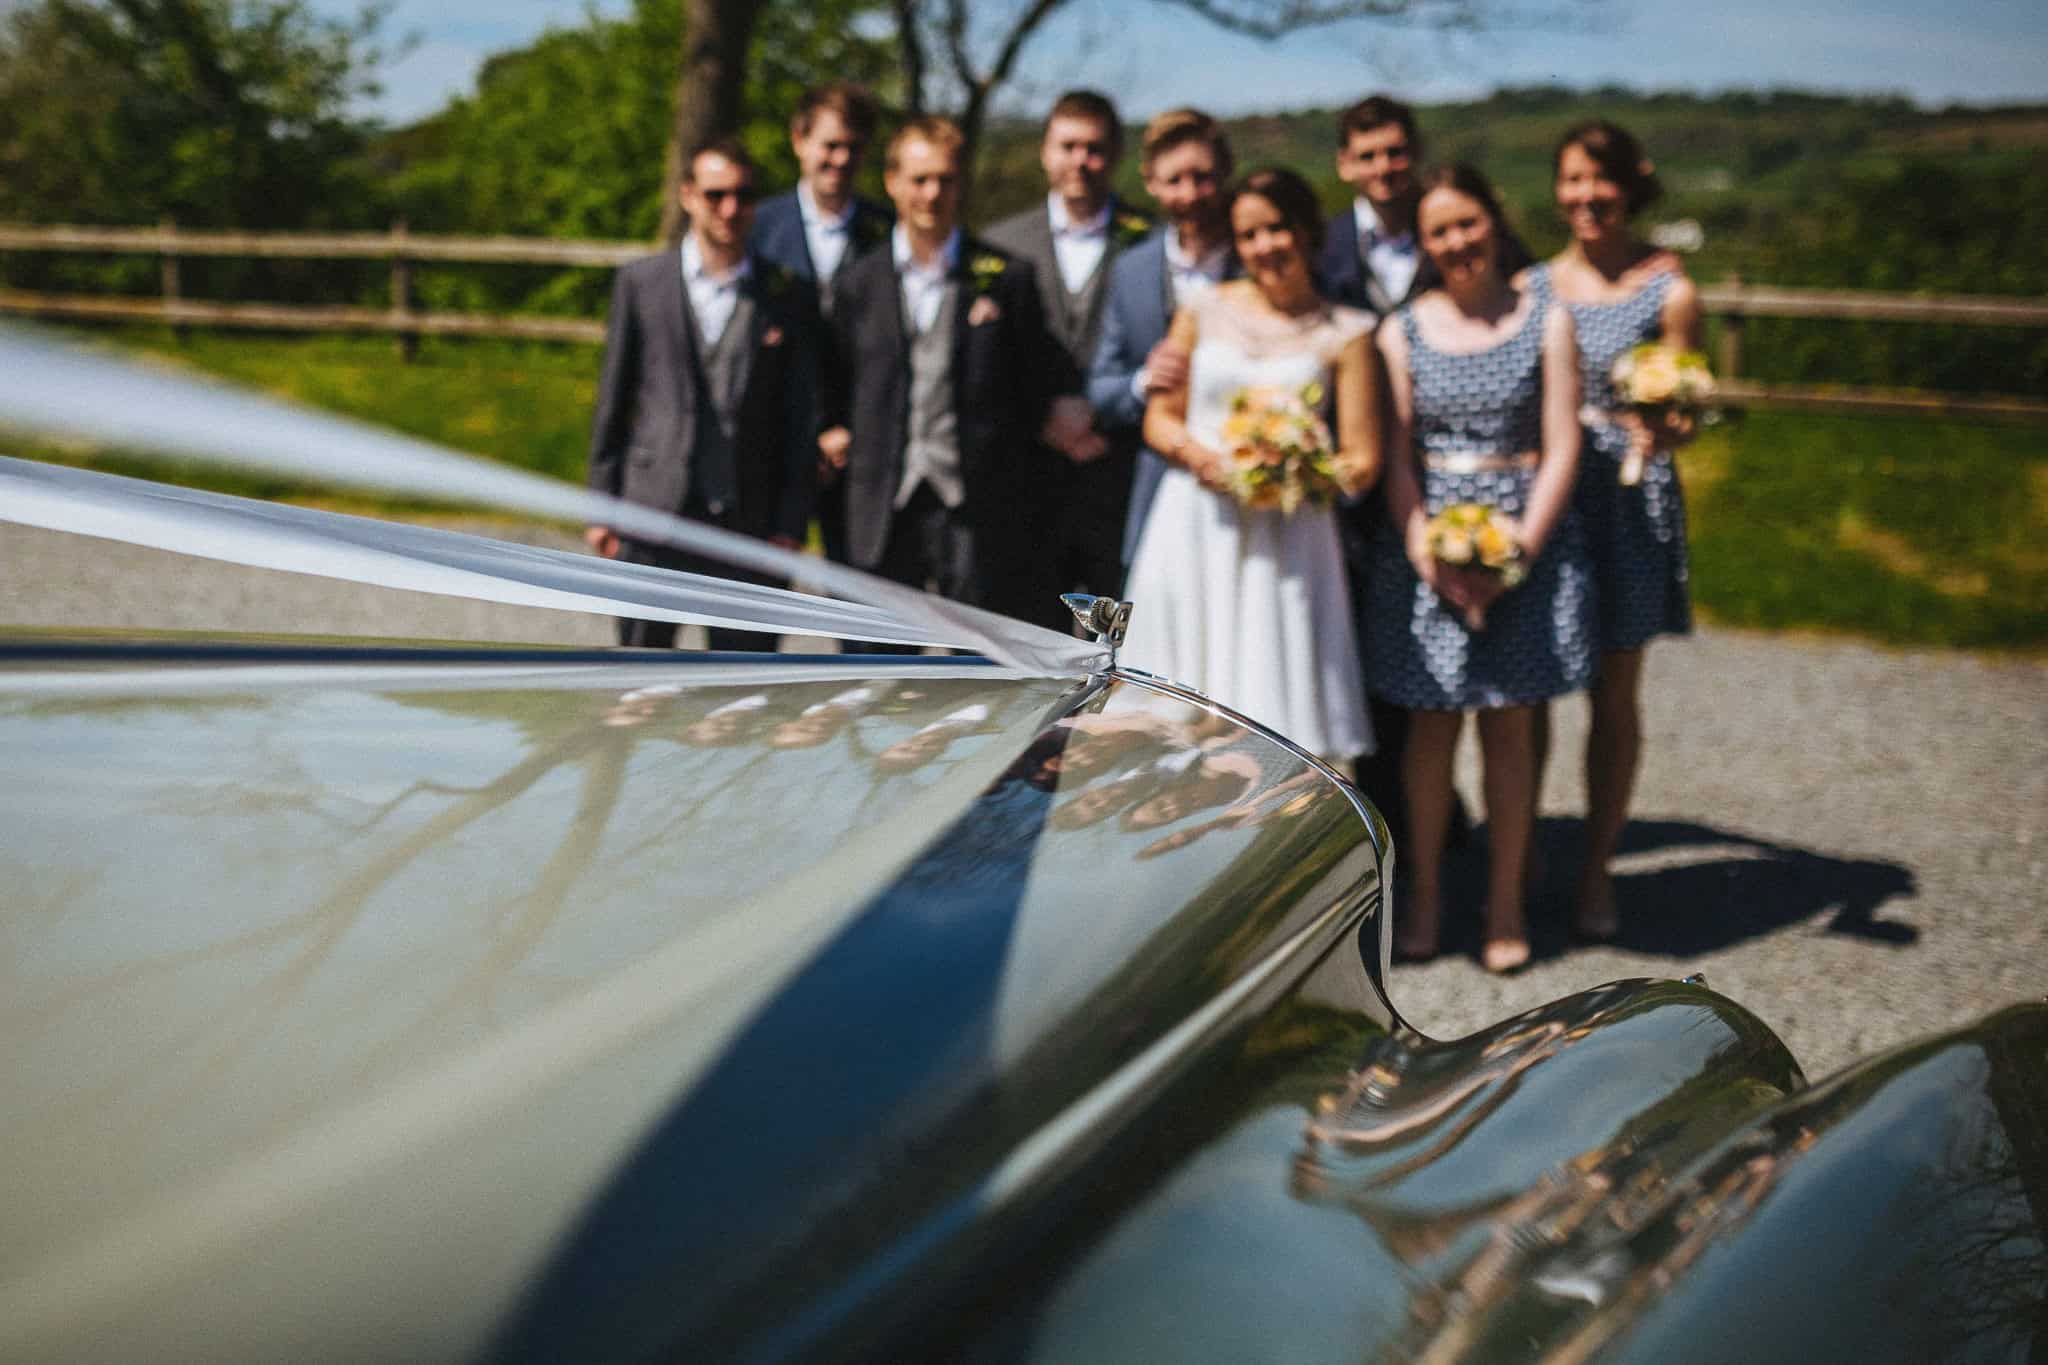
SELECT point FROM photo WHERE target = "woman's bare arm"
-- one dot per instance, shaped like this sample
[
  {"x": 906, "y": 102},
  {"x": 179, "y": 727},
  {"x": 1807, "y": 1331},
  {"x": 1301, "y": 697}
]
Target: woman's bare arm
[
  {"x": 1559, "y": 466},
  {"x": 1166, "y": 412},
  {"x": 1358, "y": 415}
]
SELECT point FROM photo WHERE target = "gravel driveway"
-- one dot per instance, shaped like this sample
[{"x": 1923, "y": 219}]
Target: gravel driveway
[{"x": 1853, "y": 841}]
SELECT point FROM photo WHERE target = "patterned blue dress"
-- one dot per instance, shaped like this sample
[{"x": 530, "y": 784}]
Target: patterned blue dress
[
  {"x": 1537, "y": 642},
  {"x": 1636, "y": 535}
]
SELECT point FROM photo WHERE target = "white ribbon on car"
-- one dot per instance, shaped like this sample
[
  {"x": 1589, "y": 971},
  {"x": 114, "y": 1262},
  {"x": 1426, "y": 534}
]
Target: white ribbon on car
[{"x": 56, "y": 390}]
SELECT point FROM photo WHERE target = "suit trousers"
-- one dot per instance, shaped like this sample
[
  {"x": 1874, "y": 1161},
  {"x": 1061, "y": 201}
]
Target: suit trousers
[
  {"x": 930, "y": 545},
  {"x": 662, "y": 634}
]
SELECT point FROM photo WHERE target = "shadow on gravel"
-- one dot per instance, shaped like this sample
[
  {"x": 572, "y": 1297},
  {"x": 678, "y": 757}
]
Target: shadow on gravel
[{"x": 1686, "y": 889}]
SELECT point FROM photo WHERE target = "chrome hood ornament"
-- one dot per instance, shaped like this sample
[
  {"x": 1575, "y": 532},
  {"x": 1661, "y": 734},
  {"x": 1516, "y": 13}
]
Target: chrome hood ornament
[{"x": 1103, "y": 619}]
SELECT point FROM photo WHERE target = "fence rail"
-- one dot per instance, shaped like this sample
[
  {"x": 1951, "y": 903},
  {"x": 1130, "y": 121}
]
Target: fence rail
[{"x": 1732, "y": 302}]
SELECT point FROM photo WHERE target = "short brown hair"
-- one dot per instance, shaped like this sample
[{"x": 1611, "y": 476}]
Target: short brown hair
[
  {"x": 1620, "y": 159},
  {"x": 1292, "y": 199},
  {"x": 1377, "y": 111},
  {"x": 731, "y": 148},
  {"x": 942, "y": 133},
  {"x": 1170, "y": 129},
  {"x": 852, "y": 102},
  {"x": 1094, "y": 106}
]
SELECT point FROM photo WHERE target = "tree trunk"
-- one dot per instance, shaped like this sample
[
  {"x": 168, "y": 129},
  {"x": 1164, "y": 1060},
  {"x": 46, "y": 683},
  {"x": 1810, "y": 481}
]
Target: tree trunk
[{"x": 713, "y": 76}]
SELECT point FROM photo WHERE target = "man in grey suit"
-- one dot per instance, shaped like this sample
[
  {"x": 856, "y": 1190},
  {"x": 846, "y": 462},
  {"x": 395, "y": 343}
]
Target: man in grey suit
[
  {"x": 1186, "y": 162},
  {"x": 1072, "y": 242},
  {"x": 708, "y": 403}
]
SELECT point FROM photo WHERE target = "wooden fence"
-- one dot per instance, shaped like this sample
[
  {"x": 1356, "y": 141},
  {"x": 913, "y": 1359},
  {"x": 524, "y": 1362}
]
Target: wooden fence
[{"x": 1732, "y": 302}]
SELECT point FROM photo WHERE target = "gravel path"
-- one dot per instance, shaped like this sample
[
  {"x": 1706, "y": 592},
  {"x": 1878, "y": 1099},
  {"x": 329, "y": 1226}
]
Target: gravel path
[{"x": 1850, "y": 840}]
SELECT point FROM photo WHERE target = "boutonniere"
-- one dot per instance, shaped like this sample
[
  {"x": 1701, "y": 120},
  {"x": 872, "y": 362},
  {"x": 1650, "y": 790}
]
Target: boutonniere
[
  {"x": 985, "y": 270},
  {"x": 1129, "y": 228},
  {"x": 985, "y": 309},
  {"x": 771, "y": 336}
]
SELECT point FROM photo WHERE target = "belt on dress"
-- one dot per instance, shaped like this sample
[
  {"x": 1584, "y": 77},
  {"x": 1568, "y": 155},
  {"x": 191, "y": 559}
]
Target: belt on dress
[{"x": 1477, "y": 461}]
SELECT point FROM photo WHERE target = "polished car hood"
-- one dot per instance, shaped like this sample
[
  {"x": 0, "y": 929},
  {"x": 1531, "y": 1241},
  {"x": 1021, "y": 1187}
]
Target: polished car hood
[{"x": 339, "y": 989}]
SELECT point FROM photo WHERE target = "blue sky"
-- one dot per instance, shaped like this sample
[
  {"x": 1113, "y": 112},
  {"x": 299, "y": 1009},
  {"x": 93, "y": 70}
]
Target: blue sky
[{"x": 1154, "y": 55}]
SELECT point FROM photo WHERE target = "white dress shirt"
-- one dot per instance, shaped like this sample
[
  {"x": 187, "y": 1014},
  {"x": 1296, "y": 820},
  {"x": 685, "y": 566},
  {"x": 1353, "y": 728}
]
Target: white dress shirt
[
  {"x": 825, "y": 235},
  {"x": 1392, "y": 259},
  {"x": 1078, "y": 247},
  {"x": 924, "y": 286},
  {"x": 712, "y": 296}
]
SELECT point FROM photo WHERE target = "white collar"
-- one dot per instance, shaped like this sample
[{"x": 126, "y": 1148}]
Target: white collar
[
  {"x": 815, "y": 217},
  {"x": 1177, "y": 257},
  {"x": 695, "y": 269},
  {"x": 899, "y": 247},
  {"x": 1369, "y": 229},
  {"x": 1063, "y": 224}
]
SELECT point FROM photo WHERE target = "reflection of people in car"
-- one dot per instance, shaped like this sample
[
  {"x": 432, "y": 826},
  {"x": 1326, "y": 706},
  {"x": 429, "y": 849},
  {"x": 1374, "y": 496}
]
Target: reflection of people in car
[
  {"x": 1291, "y": 797},
  {"x": 1096, "y": 740},
  {"x": 1214, "y": 779},
  {"x": 924, "y": 745},
  {"x": 822, "y": 720},
  {"x": 640, "y": 705},
  {"x": 733, "y": 723}
]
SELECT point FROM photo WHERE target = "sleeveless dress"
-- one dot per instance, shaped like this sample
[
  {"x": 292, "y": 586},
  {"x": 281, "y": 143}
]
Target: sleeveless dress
[
  {"x": 1537, "y": 642},
  {"x": 1250, "y": 606},
  {"x": 1636, "y": 535}
]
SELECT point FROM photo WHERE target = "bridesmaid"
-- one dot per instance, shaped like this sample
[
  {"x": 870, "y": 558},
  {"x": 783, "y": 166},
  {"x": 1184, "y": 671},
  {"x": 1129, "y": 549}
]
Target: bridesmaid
[
  {"x": 1620, "y": 291},
  {"x": 1484, "y": 378}
]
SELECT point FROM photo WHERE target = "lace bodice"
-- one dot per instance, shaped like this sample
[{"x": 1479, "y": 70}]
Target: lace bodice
[{"x": 1236, "y": 349}]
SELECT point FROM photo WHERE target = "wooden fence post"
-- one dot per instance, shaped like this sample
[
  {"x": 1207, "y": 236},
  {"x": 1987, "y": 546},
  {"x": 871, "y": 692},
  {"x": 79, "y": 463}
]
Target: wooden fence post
[
  {"x": 1730, "y": 359},
  {"x": 167, "y": 270},
  {"x": 401, "y": 289}
]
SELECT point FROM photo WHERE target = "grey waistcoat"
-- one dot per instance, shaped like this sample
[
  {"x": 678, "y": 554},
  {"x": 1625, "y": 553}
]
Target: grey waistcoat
[
  {"x": 714, "y": 464},
  {"x": 1077, "y": 311},
  {"x": 931, "y": 453}
]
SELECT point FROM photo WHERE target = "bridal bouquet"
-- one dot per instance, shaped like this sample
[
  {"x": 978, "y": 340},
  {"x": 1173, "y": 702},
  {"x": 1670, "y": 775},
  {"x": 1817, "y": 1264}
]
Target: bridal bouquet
[
  {"x": 1280, "y": 450},
  {"x": 1657, "y": 380}
]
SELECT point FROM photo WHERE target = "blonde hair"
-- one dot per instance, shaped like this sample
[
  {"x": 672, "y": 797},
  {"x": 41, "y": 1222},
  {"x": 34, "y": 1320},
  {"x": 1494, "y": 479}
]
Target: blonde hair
[
  {"x": 1170, "y": 129},
  {"x": 941, "y": 133}
]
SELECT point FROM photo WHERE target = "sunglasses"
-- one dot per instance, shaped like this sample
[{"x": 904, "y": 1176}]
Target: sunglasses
[{"x": 746, "y": 194}]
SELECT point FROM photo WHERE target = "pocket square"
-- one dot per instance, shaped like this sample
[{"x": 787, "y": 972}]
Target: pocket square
[
  {"x": 985, "y": 309},
  {"x": 771, "y": 336}
]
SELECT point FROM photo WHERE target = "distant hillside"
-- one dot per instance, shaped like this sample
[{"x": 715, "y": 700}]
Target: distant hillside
[{"x": 1761, "y": 173}]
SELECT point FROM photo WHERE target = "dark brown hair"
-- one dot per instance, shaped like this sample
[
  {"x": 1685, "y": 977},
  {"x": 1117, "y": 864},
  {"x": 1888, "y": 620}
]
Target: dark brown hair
[
  {"x": 854, "y": 105},
  {"x": 1292, "y": 199},
  {"x": 1094, "y": 106},
  {"x": 731, "y": 148},
  {"x": 1377, "y": 111},
  {"x": 1620, "y": 159},
  {"x": 1511, "y": 253}
]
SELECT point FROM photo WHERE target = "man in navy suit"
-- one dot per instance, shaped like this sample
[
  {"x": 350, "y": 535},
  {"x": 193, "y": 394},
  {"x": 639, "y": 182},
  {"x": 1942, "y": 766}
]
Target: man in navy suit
[
  {"x": 1371, "y": 258},
  {"x": 1185, "y": 159},
  {"x": 816, "y": 231}
]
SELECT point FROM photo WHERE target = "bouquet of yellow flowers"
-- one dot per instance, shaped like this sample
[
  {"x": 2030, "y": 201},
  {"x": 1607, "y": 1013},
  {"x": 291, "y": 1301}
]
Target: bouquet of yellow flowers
[
  {"x": 1657, "y": 380},
  {"x": 1279, "y": 448},
  {"x": 1471, "y": 535}
]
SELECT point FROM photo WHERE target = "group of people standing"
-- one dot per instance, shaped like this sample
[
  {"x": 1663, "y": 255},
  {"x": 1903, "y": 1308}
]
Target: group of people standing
[{"x": 1041, "y": 410}]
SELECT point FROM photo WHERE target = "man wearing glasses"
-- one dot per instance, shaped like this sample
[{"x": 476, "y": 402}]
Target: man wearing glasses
[{"x": 707, "y": 405}]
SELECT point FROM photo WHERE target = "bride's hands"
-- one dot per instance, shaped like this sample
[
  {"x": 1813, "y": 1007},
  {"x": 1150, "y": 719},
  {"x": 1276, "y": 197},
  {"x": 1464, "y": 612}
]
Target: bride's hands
[{"x": 1210, "y": 467}]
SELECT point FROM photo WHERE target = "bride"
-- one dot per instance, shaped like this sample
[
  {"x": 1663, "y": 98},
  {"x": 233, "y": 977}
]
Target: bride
[{"x": 1249, "y": 605}]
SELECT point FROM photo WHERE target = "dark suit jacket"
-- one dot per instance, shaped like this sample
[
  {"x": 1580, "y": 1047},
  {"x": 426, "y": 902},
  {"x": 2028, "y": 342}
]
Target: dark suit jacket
[
  {"x": 652, "y": 399},
  {"x": 1006, "y": 371},
  {"x": 1028, "y": 235},
  {"x": 1137, "y": 310},
  {"x": 779, "y": 234},
  {"x": 1342, "y": 275}
]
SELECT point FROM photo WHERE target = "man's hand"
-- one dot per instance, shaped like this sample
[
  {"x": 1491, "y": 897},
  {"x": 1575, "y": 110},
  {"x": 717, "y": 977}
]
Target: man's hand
[
  {"x": 602, "y": 540},
  {"x": 833, "y": 443},
  {"x": 1070, "y": 429},
  {"x": 1165, "y": 368}
]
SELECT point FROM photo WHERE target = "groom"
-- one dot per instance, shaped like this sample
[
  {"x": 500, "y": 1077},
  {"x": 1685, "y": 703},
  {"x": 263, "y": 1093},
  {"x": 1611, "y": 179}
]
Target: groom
[{"x": 1185, "y": 160}]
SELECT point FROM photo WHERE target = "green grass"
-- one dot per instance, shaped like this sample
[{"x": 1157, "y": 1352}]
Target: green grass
[
  {"x": 1907, "y": 531},
  {"x": 1902, "y": 530}
]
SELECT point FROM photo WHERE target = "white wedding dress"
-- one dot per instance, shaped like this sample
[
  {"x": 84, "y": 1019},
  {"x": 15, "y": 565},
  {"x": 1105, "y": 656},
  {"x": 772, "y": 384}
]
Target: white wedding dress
[{"x": 1251, "y": 606}]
